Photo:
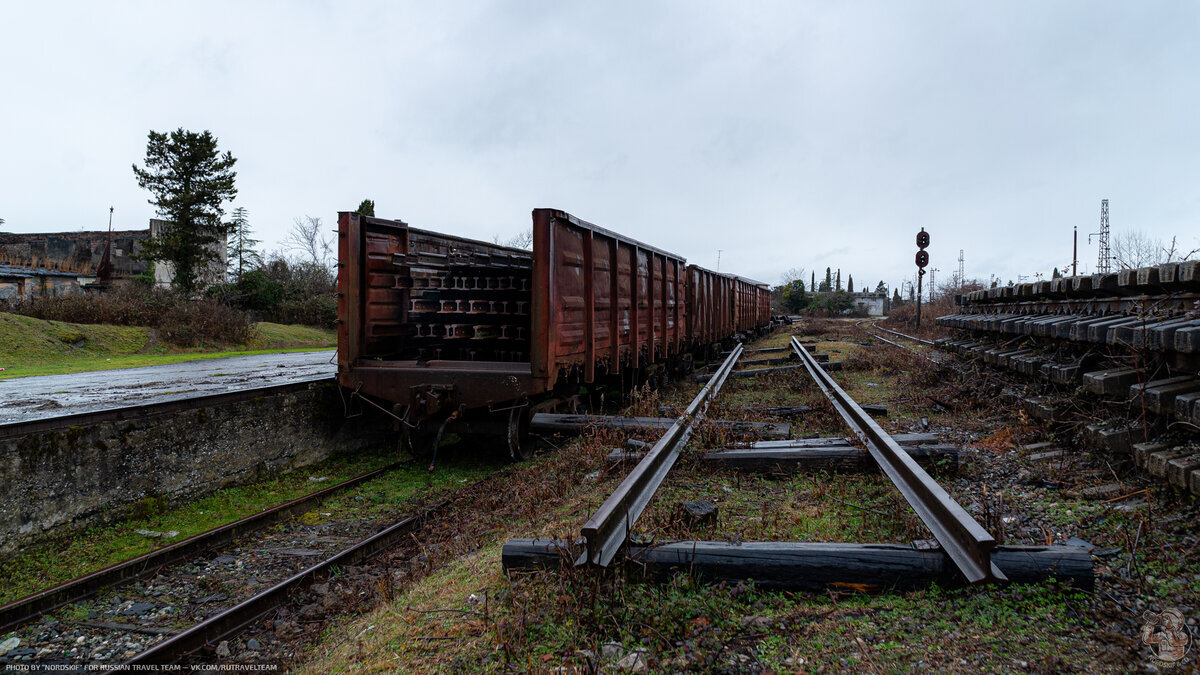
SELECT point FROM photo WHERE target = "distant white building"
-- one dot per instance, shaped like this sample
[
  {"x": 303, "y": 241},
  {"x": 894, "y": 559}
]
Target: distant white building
[
  {"x": 873, "y": 304},
  {"x": 164, "y": 271}
]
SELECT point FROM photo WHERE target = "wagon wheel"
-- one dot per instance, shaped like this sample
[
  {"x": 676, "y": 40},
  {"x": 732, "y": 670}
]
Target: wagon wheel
[{"x": 517, "y": 439}]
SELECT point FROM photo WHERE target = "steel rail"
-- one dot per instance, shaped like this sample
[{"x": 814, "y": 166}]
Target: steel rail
[
  {"x": 864, "y": 326},
  {"x": 964, "y": 540},
  {"x": 876, "y": 326},
  {"x": 608, "y": 529},
  {"x": 31, "y": 607},
  {"x": 897, "y": 345},
  {"x": 234, "y": 620}
]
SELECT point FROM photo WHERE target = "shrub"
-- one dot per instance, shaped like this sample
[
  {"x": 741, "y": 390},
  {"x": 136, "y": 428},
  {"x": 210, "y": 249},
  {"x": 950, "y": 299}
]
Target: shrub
[
  {"x": 179, "y": 319},
  {"x": 254, "y": 291},
  {"x": 287, "y": 292}
]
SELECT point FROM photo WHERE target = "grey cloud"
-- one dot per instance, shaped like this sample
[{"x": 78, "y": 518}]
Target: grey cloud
[{"x": 785, "y": 134}]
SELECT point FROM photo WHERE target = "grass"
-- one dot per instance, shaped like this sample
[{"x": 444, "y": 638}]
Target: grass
[
  {"x": 99, "y": 547},
  {"x": 469, "y": 616},
  {"x": 30, "y": 346},
  {"x": 801, "y": 507}
]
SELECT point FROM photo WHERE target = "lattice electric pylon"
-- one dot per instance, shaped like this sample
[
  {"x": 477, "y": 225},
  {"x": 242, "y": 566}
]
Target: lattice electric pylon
[{"x": 1104, "y": 265}]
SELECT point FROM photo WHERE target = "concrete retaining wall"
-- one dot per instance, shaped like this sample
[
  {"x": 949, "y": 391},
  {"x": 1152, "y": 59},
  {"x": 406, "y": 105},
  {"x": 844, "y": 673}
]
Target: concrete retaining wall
[{"x": 57, "y": 481}]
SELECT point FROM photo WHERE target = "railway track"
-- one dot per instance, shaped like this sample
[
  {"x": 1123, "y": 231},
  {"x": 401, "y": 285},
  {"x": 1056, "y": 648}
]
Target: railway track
[
  {"x": 870, "y": 326},
  {"x": 1130, "y": 340},
  {"x": 30, "y": 608},
  {"x": 184, "y": 601},
  {"x": 874, "y": 325},
  {"x": 232, "y": 621},
  {"x": 962, "y": 551}
]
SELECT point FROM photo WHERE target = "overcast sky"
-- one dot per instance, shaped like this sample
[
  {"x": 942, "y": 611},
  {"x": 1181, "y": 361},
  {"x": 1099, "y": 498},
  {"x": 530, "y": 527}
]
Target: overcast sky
[{"x": 794, "y": 134}]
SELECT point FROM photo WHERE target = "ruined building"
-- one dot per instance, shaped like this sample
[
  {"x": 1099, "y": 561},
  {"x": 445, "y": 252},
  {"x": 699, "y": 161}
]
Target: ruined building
[
  {"x": 66, "y": 262},
  {"x": 77, "y": 252}
]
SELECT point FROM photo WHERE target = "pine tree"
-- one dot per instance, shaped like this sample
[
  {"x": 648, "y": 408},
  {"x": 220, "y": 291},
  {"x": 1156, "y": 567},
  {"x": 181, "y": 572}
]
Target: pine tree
[
  {"x": 241, "y": 246},
  {"x": 850, "y": 283},
  {"x": 366, "y": 208},
  {"x": 880, "y": 287},
  {"x": 827, "y": 285},
  {"x": 813, "y": 284},
  {"x": 1057, "y": 274},
  {"x": 189, "y": 180},
  {"x": 839, "y": 279}
]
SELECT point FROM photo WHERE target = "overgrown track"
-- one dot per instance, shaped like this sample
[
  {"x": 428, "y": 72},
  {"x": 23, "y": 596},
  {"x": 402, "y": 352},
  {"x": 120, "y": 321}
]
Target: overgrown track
[
  {"x": 958, "y": 536},
  {"x": 235, "y": 619},
  {"x": 609, "y": 528},
  {"x": 869, "y": 326},
  {"x": 873, "y": 325},
  {"x": 26, "y": 609},
  {"x": 964, "y": 540}
]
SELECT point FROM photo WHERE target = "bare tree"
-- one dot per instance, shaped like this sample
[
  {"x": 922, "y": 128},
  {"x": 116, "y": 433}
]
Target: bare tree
[
  {"x": 523, "y": 240},
  {"x": 1174, "y": 254},
  {"x": 306, "y": 238},
  {"x": 796, "y": 273},
  {"x": 1133, "y": 249}
]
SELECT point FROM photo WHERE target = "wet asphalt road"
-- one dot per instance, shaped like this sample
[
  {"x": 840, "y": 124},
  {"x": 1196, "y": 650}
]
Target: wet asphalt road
[{"x": 27, "y": 398}]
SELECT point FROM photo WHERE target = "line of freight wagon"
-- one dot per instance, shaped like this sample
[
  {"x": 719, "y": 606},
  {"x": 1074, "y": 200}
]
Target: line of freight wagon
[{"x": 449, "y": 334}]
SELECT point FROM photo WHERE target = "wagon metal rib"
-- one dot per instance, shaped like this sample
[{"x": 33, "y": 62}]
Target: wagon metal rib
[
  {"x": 963, "y": 539},
  {"x": 606, "y": 531}
]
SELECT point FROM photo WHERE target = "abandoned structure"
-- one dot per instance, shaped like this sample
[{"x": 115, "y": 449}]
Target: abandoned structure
[
  {"x": 19, "y": 283},
  {"x": 873, "y": 304},
  {"x": 164, "y": 272},
  {"x": 78, "y": 252},
  {"x": 66, "y": 262}
]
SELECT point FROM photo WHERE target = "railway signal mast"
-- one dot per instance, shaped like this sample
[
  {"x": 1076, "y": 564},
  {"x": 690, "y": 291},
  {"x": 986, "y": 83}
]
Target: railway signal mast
[{"x": 922, "y": 261}]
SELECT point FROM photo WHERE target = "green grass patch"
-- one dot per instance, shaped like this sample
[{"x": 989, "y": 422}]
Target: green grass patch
[
  {"x": 683, "y": 626},
  {"x": 30, "y": 346},
  {"x": 993, "y": 630},
  {"x": 276, "y": 335},
  {"x": 801, "y": 507}
]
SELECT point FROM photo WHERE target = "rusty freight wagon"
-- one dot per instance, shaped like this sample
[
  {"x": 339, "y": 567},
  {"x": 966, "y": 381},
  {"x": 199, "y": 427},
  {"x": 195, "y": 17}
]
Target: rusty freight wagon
[
  {"x": 445, "y": 332},
  {"x": 752, "y": 306},
  {"x": 710, "y": 308}
]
